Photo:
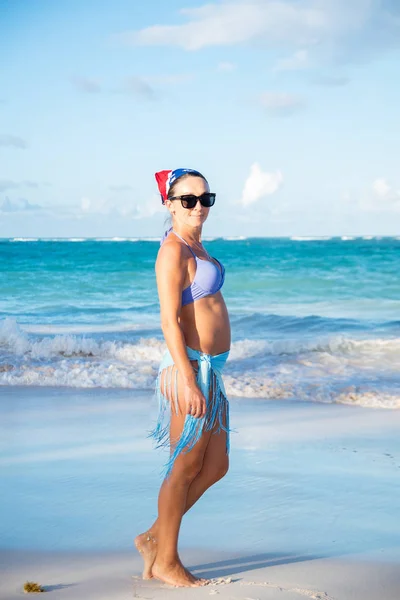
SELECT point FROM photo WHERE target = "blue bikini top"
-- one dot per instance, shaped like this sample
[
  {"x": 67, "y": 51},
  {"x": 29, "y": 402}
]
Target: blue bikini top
[{"x": 209, "y": 278}]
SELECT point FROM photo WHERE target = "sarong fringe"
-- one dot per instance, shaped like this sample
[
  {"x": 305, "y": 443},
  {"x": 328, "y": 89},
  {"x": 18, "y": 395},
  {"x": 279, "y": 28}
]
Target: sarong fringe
[{"x": 217, "y": 413}]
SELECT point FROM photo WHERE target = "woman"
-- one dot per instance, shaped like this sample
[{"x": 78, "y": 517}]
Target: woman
[{"x": 195, "y": 324}]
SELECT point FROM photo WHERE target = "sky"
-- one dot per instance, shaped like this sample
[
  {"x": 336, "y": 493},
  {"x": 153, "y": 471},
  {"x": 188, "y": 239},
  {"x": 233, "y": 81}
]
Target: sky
[{"x": 290, "y": 108}]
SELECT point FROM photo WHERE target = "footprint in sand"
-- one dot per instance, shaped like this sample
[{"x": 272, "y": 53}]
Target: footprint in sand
[{"x": 312, "y": 594}]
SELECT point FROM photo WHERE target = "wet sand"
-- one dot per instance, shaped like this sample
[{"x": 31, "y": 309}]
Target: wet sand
[{"x": 308, "y": 509}]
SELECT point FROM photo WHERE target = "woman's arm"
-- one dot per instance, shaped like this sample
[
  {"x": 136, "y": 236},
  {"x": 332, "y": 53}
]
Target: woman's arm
[{"x": 170, "y": 271}]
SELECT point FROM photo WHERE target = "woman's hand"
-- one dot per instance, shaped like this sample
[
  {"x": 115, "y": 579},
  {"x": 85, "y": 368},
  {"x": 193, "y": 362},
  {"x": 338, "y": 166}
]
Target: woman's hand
[{"x": 194, "y": 401}]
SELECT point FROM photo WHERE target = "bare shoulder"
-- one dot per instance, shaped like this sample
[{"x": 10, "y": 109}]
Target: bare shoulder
[{"x": 172, "y": 253}]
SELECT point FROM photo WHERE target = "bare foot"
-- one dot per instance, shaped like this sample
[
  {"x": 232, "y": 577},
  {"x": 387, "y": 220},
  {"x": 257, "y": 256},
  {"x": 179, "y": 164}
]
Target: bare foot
[
  {"x": 176, "y": 575},
  {"x": 147, "y": 546}
]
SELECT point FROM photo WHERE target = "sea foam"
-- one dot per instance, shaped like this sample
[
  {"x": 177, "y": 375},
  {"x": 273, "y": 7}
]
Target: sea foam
[{"x": 324, "y": 369}]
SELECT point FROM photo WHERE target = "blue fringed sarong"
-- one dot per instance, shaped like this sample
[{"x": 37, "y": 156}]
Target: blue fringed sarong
[{"x": 210, "y": 382}]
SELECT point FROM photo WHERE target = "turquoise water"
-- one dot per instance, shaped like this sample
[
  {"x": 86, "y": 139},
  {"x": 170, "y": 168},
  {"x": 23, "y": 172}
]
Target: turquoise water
[{"x": 312, "y": 319}]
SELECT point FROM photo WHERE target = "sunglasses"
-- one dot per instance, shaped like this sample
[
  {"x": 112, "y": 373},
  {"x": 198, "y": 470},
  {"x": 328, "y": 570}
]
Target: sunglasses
[{"x": 190, "y": 200}]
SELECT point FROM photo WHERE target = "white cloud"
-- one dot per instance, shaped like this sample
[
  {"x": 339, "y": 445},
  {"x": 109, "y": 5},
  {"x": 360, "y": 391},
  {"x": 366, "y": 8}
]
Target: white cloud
[
  {"x": 134, "y": 85},
  {"x": 386, "y": 196},
  {"x": 85, "y": 204},
  {"x": 86, "y": 85},
  {"x": 8, "y": 205},
  {"x": 8, "y": 184},
  {"x": 381, "y": 198},
  {"x": 12, "y": 141},
  {"x": 381, "y": 188},
  {"x": 298, "y": 60},
  {"x": 226, "y": 67},
  {"x": 138, "y": 86},
  {"x": 280, "y": 103},
  {"x": 335, "y": 27},
  {"x": 119, "y": 207},
  {"x": 260, "y": 184},
  {"x": 231, "y": 23}
]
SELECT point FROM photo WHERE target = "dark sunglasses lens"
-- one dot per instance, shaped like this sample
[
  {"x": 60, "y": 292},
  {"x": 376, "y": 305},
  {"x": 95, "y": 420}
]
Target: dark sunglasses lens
[
  {"x": 207, "y": 200},
  {"x": 189, "y": 201}
]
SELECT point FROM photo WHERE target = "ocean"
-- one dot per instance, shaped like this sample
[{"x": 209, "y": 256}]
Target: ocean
[
  {"x": 313, "y": 319},
  {"x": 313, "y": 379}
]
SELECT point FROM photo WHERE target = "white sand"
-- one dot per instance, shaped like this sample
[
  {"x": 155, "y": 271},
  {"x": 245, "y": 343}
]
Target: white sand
[
  {"x": 116, "y": 576},
  {"x": 310, "y": 508}
]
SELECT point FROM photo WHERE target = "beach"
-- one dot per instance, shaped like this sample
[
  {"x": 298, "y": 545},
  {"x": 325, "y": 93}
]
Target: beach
[
  {"x": 101, "y": 576},
  {"x": 309, "y": 507},
  {"x": 200, "y": 210}
]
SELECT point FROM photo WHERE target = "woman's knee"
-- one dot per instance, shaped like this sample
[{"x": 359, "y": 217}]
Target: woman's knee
[
  {"x": 216, "y": 471},
  {"x": 188, "y": 465},
  {"x": 223, "y": 468}
]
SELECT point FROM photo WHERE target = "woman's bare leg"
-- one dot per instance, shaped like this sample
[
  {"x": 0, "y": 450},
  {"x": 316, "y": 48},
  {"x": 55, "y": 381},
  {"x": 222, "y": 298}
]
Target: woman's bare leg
[
  {"x": 172, "y": 501},
  {"x": 171, "y": 507},
  {"x": 212, "y": 471},
  {"x": 214, "y": 467}
]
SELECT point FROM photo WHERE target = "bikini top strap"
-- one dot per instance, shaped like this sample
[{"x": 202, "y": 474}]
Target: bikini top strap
[
  {"x": 181, "y": 238},
  {"x": 164, "y": 237}
]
